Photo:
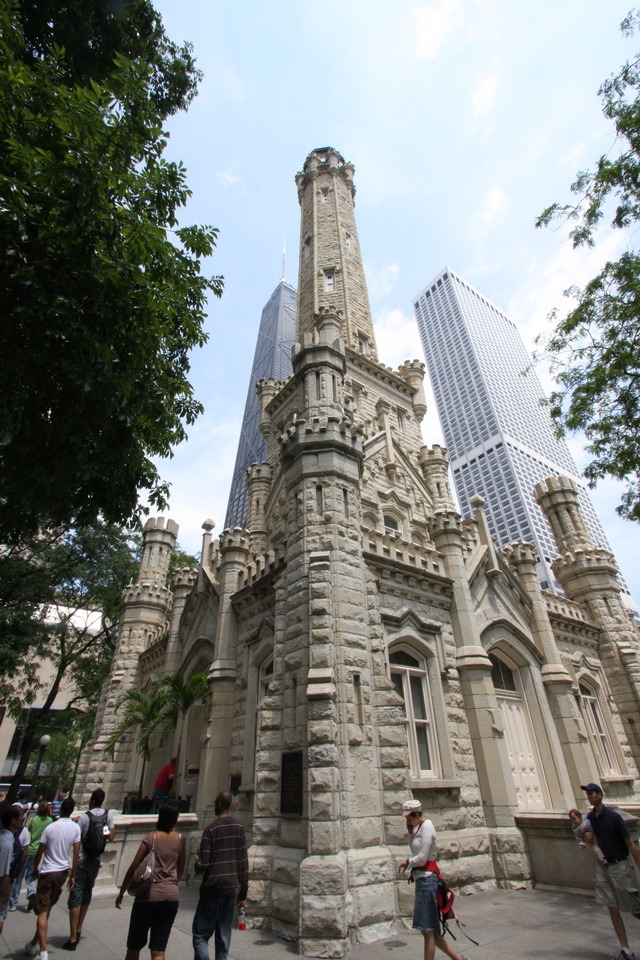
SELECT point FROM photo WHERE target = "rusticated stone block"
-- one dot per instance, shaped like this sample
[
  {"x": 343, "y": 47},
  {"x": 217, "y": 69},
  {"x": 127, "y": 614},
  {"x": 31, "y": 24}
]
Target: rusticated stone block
[
  {"x": 376, "y": 903},
  {"x": 284, "y": 902},
  {"x": 322, "y": 755},
  {"x": 370, "y": 866},
  {"x": 320, "y": 947},
  {"x": 324, "y": 876},
  {"x": 320, "y": 779},
  {"x": 323, "y": 916},
  {"x": 324, "y": 838},
  {"x": 393, "y": 757}
]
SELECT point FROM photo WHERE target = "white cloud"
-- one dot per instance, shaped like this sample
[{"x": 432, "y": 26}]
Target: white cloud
[
  {"x": 494, "y": 204},
  {"x": 484, "y": 95},
  {"x": 432, "y": 24},
  {"x": 397, "y": 338},
  {"x": 228, "y": 179},
  {"x": 382, "y": 280}
]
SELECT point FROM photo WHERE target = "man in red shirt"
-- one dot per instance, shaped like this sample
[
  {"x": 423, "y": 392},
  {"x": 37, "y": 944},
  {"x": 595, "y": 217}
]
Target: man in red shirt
[{"x": 164, "y": 783}]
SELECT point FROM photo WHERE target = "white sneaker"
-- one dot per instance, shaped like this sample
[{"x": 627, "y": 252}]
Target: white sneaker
[
  {"x": 43, "y": 955},
  {"x": 30, "y": 949}
]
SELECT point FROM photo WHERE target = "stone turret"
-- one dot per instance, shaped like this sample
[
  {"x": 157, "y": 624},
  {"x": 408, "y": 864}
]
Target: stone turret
[
  {"x": 589, "y": 575},
  {"x": 435, "y": 469},
  {"x": 413, "y": 372},
  {"x": 144, "y": 607}
]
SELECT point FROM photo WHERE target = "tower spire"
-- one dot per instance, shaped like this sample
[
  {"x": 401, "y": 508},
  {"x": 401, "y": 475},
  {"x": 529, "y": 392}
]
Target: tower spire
[{"x": 331, "y": 277}]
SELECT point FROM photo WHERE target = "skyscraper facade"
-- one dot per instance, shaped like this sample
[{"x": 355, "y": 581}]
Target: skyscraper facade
[
  {"x": 272, "y": 359},
  {"x": 500, "y": 439}
]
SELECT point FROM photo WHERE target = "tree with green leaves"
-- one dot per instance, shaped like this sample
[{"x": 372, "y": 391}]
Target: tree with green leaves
[
  {"x": 102, "y": 295},
  {"x": 595, "y": 349},
  {"x": 158, "y": 711},
  {"x": 59, "y": 607}
]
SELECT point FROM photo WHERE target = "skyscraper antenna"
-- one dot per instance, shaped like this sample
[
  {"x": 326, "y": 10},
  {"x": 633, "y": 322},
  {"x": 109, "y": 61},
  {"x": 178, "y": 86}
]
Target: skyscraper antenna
[{"x": 284, "y": 259}]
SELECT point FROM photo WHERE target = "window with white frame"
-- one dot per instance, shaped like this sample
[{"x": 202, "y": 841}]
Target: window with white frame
[
  {"x": 598, "y": 733},
  {"x": 409, "y": 676}
]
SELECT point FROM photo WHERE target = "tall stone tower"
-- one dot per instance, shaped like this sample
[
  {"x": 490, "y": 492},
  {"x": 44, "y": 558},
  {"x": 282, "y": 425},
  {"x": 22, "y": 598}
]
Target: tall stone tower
[
  {"x": 331, "y": 275},
  {"x": 143, "y": 611}
]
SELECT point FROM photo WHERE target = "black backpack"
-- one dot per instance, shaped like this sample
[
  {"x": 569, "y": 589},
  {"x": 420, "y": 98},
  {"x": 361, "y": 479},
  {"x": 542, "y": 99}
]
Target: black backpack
[{"x": 95, "y": 839}]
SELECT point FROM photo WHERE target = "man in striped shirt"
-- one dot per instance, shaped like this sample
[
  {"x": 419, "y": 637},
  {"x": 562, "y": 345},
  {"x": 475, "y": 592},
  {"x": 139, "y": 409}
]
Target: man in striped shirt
[{"x": 224, "y": 862}]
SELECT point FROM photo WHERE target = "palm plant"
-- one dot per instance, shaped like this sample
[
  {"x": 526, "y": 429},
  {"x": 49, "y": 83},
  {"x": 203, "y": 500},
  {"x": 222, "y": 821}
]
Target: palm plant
[{"x": 170, "y": 700}]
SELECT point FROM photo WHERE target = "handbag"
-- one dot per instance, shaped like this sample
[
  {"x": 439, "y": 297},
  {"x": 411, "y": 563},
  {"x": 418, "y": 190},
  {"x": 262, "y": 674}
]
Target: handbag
[{"x": 143, "y": 877}]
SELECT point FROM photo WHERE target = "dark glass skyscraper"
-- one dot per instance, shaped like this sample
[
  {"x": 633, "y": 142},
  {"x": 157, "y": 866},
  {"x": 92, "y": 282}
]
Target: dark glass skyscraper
[{"x": 272, "y": 359}]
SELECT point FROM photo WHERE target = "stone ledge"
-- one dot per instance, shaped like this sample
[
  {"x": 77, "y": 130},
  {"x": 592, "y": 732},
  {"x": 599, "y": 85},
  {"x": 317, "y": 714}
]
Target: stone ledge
[{"x": 436, "y": 784}]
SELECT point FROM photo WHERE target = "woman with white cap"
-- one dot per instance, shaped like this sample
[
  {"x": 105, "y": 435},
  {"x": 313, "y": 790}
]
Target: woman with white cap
[{"x": 422, "y": 864}]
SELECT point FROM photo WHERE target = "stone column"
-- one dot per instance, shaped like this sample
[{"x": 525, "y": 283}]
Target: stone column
[
  {"x": 234, "y": 555},
  {"x": 558, "y": 683}
]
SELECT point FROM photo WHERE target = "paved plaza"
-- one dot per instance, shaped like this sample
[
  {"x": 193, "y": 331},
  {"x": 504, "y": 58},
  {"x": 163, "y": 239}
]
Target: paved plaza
[{"x": 518, "y": 925}]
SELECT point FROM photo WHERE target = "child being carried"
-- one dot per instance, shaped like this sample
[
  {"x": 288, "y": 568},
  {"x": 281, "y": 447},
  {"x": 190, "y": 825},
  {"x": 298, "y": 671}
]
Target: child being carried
[{"x": 580, "y": 824}]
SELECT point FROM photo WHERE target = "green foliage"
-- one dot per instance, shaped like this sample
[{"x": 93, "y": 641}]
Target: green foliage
[
  {"x": 59, "y": 765},
  {"x": 58, "y": 608},
  {"x": 100, "y": 306},
  {"x": 178, "y": 560},
  {"x": 595, "y": 349},
  {"x": 168, "y": 702}
]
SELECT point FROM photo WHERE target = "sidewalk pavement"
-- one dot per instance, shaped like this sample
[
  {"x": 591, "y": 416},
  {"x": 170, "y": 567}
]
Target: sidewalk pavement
[{"x": 508, "y": 924}]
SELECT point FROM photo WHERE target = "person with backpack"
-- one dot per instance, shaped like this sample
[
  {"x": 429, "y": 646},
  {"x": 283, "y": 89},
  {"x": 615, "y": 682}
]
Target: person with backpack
[
  {"x": 97, "y": 826},
  {"x": 425, "y": 874}
]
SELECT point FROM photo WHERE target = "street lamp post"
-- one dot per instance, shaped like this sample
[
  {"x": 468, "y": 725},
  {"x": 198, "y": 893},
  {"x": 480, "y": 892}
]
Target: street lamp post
[{"x": 45, "y": 740}]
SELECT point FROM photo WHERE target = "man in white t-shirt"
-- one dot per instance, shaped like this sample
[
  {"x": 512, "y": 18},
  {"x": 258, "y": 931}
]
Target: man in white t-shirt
[
  {"x": 57, "y": 842},
  {"x": 97, "y": 826}
]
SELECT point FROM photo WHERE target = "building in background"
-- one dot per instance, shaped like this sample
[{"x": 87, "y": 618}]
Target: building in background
[
  {"x": 271, "y": 361},
  {"x": 500, "y": 438}
]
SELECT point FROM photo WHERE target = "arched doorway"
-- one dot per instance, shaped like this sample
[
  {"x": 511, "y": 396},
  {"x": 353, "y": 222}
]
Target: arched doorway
[{"x": 526, "y": 769}]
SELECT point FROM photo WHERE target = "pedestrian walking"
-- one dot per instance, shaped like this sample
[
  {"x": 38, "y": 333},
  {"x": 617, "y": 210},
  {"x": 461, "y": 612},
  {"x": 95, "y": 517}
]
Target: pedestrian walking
[
  {"x": 19, "y": 865},
  {"x": 155, "y": 907},
  {"x": 616, "y": 885},
  {"x": 10, "y": 817},
  {"x": 58, "y": 842},
  {"x": 97, "y": 826},
  {"x": 37, "y": 825},
  {"x": 224, "y": 861},
  {"x": 423, "y": 868},
  {"x": 56, "y": 804}
]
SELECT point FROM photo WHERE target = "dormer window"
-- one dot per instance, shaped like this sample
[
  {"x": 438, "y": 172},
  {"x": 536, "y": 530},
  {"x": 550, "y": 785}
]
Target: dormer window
[{"x": 391, "y": 523}]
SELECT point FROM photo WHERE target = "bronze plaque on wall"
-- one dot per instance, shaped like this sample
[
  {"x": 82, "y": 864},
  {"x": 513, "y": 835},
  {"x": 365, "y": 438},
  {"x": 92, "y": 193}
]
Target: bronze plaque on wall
[{"x": 291, "y": 783}]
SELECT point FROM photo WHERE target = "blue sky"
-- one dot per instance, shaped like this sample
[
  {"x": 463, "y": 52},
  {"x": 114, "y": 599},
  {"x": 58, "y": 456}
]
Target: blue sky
[{"x": 464, "y": 119}]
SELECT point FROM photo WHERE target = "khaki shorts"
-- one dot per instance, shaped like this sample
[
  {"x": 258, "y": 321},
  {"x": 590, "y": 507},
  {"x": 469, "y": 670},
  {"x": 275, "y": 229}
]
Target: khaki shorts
[
  {"x": 49, "y": 889},
  {"x": 613, "y": 884}
]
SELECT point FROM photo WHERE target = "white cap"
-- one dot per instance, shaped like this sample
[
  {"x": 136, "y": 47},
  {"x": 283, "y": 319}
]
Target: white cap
[{"x": 412, "y": 806}]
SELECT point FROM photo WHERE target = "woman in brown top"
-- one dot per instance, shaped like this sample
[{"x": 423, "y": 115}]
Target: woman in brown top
[{"x": 155, "y": 908}]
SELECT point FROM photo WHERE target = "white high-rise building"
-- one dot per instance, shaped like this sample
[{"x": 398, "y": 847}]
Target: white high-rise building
[{"x": 500, "y": 439}]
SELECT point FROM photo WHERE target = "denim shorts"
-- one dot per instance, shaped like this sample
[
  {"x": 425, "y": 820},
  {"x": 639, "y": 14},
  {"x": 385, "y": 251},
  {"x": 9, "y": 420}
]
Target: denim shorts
[{"x": 425, "y": 910}]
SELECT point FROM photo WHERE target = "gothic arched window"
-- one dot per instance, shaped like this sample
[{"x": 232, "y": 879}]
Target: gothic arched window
[
  {"x": 597, "y": 728},
  {"x": 409, "y": 677}
]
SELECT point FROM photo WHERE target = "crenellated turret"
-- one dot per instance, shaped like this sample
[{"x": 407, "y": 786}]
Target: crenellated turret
[
  {"x": 435, "y": 469},
  {"x": 413, "y": 372}
]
